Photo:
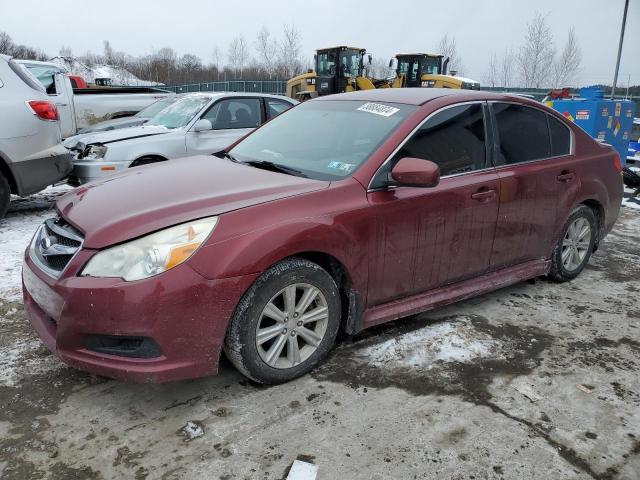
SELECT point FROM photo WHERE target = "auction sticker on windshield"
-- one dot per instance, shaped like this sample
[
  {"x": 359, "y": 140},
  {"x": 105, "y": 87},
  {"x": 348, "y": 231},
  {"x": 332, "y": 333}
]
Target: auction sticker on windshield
[{"x": 379, "y": 109}]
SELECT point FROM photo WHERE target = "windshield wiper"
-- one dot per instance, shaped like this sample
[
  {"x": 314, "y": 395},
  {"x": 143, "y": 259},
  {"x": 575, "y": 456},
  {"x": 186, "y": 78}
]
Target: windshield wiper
[
  {"x": 276, "y": 167},
  {"x": 223, "y": 154}
]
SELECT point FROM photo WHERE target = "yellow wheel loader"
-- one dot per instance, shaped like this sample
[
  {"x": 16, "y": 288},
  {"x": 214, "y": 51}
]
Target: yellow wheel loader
[
  {"x": 337, "y": 70},
  {"x": 427, "y": 70}
]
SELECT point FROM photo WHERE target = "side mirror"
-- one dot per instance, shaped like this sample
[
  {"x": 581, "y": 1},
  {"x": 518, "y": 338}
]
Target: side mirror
[
  {"x": 369, "y": 57},
  {"x": 202, "y": 125},
  {"x": 415, "y": 172},
  {"x": 391, "y": 63}
]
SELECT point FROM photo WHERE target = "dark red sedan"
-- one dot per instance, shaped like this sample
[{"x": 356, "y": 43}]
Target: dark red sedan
[{"x": 345, "y": 212}]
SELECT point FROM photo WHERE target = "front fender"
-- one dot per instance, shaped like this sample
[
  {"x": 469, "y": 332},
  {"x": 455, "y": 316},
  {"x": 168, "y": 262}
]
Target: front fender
[{"x": 255, "y": 251}]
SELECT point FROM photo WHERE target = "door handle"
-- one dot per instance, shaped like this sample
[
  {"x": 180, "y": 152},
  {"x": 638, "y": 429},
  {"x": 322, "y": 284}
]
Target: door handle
[
  {"x": 566, "y": 176},
  {"x": 484, "y": 194}
]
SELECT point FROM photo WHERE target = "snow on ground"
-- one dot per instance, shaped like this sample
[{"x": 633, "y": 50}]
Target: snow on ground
[
  {"x": 118, "y": 75},
  {"x": 629, "y": 200},
  {"x": 456, "y": 341},
  {"x": 16, "y": 230}
]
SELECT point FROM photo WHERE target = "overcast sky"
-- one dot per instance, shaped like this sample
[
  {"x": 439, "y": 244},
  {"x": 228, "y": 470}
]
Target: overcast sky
[{"x": 383, "y": 27}]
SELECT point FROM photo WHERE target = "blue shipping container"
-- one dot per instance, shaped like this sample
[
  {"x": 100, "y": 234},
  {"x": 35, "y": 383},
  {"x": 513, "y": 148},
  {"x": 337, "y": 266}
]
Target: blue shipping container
[{"x": 608, "y": 121}]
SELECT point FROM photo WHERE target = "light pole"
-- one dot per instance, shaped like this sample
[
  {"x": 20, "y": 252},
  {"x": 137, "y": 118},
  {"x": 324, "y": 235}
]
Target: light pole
[{"x": 624, "y": 21}]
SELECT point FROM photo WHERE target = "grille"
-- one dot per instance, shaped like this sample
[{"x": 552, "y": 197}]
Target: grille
[{"x": 55, "y": 243}]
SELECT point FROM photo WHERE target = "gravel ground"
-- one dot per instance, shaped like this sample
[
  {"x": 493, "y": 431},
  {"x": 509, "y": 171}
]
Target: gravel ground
[{"x": 538, "y": 380}]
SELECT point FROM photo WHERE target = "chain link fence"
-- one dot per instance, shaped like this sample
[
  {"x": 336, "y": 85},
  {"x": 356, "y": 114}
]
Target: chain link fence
[{"x": 276, "y": 87}]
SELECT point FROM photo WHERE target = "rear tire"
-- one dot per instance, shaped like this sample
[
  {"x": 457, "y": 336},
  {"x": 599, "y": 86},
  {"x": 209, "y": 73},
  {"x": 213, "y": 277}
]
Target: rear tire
[
  {"x": 575, "y": 246},
  {"x": 285, "y": 324},
  {"x": 5, "y": 196}
]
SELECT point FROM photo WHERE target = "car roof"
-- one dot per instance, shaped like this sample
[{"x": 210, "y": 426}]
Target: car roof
[{"x": 416, "y": 96}]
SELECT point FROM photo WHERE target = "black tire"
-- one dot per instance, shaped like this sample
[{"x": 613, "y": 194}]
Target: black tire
[
  {"x": 240, "y": 341},
  {"x": 5, "y": 196},
  {"x": 559, "y": 272},
  {"x": 630, "y": 178}
]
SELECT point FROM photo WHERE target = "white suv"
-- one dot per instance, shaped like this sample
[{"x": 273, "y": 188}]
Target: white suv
[{"x": 31, "y": 153}]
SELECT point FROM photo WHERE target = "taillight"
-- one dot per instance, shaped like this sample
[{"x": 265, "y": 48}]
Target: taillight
[
  {"x": 43, "y": 109},
  {"x": 617, "y": 164}
]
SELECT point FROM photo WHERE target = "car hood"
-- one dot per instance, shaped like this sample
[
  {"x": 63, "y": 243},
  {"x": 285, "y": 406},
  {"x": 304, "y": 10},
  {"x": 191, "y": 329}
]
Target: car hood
[
  {"x": 144, "y": 199},
  {"x": 118, "y": 135},
  {"x": 114, "y": 124}
]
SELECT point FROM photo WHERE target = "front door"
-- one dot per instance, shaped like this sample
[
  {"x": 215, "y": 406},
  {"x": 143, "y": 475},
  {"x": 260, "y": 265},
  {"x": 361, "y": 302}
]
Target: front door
[
  {"x": 231, "y": 119},
  {"x": 538, "y": 183},
  {"x": 430, "y": 237}
]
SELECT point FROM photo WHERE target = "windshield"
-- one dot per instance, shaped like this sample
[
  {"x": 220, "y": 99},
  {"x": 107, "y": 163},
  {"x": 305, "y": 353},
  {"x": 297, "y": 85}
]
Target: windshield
[
  {"x": 156, "y": 107},
  {"x": 324, "y": 140},
  {"x": 408, "y": 67},
  {"x": 180, "y": 113}
]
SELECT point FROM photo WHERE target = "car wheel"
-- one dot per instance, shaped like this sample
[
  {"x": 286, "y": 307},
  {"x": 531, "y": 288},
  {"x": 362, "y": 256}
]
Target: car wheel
[
  {"x": 5, "y": 196},
  {"x": 575, "y": 245},
  {"x": 286, "y": 323}
]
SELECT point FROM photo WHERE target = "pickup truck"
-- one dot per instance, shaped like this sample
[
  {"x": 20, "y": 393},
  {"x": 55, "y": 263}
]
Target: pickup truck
[{"x": 79, "y": 108}]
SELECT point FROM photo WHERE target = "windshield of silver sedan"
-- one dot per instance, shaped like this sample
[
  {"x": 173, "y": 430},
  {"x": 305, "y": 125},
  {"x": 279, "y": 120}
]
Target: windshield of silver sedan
[
  {"x": 324, "y": 140},
  {"x": 180, "y": 113}
]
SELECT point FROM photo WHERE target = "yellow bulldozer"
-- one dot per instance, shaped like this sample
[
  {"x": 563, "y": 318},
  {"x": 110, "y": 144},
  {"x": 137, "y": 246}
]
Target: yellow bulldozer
[
  {"x": 337, "y": 70},
  {"x": 427, "y": 70}
]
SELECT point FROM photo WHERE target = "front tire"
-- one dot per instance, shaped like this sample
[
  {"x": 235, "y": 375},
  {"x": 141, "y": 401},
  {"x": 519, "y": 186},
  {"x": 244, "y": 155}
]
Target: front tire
[
  {"x": 286, "y": 323},
  {"x": 576, "y": 243}
]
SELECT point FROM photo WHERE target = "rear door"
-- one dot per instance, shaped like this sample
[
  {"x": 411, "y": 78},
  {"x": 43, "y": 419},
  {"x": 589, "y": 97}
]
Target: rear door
[
  {"x": 429, "y": 237},
  {"x": 538, "y": 182},
  {"x": 231, "y": 119}
]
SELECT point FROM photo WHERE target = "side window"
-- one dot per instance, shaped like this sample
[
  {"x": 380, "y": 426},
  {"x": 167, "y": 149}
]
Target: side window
[
  {"x": 276, "y": 107},
  {"x": 453, "y": 138},
  {"x": 523, "y": 132},
  {"x": 560, "y": 137},
  {"x": 234, "y": 113}
]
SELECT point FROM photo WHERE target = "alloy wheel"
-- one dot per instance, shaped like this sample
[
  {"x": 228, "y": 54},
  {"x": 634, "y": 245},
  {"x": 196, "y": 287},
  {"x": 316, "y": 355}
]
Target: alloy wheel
[
  {"x": 575, "y": 244},
  {"x": 292, "y": 325}
]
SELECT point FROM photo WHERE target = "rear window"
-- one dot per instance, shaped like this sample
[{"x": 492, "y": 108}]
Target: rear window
[
  {"x": 524, "y": 133},
  {"x": 26, "y": 76},
  {"x": 560, "y": 137}
]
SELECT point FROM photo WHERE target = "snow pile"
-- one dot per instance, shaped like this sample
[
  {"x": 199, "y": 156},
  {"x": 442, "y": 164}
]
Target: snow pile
[
  {"x": 118, "y": 75},
  {"x": 456, "y": 341},
  {"x": 16, "y": 230},
  {"x": 192, "y": 430}
]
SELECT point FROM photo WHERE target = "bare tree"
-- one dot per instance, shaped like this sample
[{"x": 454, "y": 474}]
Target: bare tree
[
  {"x": 238, "y": 54},
  {"x": 189, "y": 66},
  {"x": 6, "y": 43},
  {"x": 449, "y": 48},
  {"x": 65, "y": 52},
  {"x": 266, "y": 49},
  {"x": 289, "y": 56},
  {"x": 535, "y": 57},
  {"x": 492, "y": 75},
  {"x": 507, "y": 65},
  {"x": 567, "y": 67},
  {"x": 217, "y": 60}
]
